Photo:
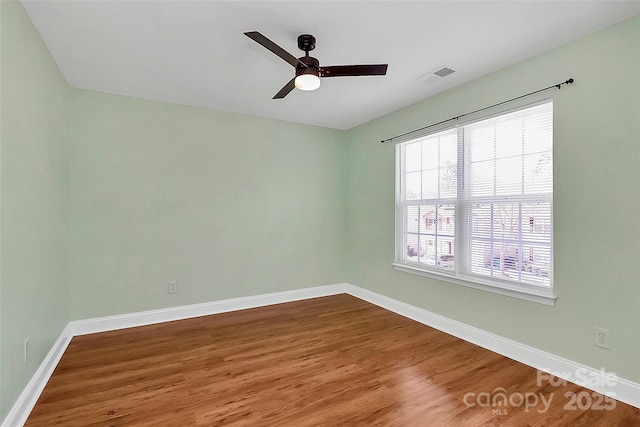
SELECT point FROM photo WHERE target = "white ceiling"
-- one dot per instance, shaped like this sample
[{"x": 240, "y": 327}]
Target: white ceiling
[{"x": 195, "y": 53}]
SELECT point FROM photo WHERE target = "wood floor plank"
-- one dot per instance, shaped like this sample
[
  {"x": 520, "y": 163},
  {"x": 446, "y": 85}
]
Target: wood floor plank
[{"x": 327, "y": 361}]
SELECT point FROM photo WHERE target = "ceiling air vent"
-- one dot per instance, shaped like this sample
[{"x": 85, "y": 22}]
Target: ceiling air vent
[
  {"x": 444, "y": 72},
  {"x": 436, "y": 75}
]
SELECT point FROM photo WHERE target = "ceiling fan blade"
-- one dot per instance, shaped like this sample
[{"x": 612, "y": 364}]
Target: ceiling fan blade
[
  {"x": 262, "y": 40},
  {"x": 354, "y": 70},
  {"x": 286, "y": 89}
]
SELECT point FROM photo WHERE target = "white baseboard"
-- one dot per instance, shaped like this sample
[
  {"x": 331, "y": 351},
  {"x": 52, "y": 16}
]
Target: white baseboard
[
  {"x": 20, "y": 411},
  {"x": 621, "y": 389},
  {"x": 594, "y": 379},
  {"x": 130, "y": 320}
]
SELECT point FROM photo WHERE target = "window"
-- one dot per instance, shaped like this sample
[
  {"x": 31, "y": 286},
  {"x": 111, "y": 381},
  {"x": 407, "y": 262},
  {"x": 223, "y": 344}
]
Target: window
[{"x": 475, "y": 203}]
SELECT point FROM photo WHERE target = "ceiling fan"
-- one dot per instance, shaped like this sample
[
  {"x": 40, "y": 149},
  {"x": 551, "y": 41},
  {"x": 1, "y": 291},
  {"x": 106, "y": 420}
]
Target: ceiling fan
[{"x": 308, "y": 69}]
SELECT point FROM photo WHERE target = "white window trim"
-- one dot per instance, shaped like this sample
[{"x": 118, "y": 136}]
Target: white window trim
[
  {"x": 532, "y": 293},
  {"x": 538, "y": 294}
]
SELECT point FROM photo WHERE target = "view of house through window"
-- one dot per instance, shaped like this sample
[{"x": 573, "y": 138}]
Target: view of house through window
[{"x": 475, "y": 201}]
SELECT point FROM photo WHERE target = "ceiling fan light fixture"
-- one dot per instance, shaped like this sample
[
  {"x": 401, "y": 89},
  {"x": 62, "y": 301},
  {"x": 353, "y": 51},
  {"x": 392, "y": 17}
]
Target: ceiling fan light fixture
[{"x": 307, "y": 79}]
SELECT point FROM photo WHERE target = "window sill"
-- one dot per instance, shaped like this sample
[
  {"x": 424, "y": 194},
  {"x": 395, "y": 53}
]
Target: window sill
[{"x": 533, "y": 294}]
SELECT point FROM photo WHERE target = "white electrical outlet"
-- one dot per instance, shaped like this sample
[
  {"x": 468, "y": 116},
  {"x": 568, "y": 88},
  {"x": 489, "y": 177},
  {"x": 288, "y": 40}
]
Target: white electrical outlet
[
  {"x": 173, "y": 287},
  {"x": 603, "y": 338},
  {"x": 27, "y": 344}
]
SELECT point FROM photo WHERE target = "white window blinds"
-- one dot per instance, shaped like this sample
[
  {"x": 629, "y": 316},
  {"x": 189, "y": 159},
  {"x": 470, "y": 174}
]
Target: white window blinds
[
  {"x": 475, "y": 202},
  {"x": 508, "y": 194}
]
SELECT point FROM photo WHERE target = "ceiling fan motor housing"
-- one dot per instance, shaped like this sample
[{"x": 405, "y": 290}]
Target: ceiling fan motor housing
[{"x": 312, "y": 66}]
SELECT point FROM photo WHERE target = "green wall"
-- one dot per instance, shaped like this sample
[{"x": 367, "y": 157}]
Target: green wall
[
  {"x": 34, "y": 285},
  {"x": 596, "y": 203},
  {"x": 227, "y": 205}
]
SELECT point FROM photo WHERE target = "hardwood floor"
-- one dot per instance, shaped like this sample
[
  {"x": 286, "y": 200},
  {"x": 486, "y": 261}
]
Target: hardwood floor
[{"x": 332, "y": 361}]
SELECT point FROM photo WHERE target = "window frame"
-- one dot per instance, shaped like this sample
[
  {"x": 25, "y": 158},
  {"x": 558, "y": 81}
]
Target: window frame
[{"x": 531, "y": 292}]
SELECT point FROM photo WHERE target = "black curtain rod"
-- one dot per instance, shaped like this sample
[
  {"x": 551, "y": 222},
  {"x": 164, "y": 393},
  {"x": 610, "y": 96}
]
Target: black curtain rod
[{"x": 559, "y": 85}]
